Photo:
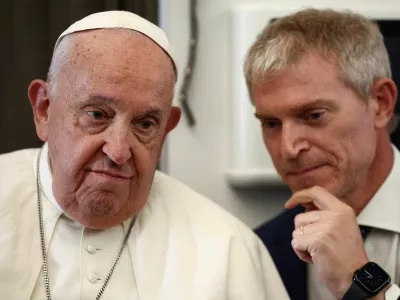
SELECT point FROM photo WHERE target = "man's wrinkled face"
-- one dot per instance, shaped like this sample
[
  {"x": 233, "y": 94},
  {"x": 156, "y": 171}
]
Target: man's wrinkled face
[
  {"x": 316, "y": 129},
  {"x": 109, "y": 112}
]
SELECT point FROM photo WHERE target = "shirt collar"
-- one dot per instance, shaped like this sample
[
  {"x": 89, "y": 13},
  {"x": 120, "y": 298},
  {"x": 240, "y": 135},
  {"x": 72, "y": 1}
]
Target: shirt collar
[
  {"x": 46, "y": 177},
  {"x": 384, "y": 208}
]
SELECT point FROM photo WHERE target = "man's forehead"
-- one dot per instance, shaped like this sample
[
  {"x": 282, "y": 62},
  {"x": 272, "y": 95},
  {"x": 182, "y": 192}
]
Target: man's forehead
[
  {"x": 110, "y": 60},
  {"x": 296, "y": 96},
  {"x": 311, "y": 78}
]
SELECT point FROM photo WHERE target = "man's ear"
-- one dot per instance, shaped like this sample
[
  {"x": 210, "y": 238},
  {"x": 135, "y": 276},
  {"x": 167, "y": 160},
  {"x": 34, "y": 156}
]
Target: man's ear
[
  {"x": 173, "y": 120},
  {"x": 383, "y": 102},
  {"x": 174, "y": 117},
  {"x": 39, "y": 96}
]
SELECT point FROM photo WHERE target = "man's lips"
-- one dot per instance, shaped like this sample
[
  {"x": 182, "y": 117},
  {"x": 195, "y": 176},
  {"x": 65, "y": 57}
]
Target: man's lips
[
  {"x": 303, "y": 170},
  {"x": 114, "y": 174}
]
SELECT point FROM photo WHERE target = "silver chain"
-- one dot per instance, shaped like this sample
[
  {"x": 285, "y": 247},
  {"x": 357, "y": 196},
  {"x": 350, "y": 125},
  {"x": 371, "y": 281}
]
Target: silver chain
[{"x": 43, "y": 243}]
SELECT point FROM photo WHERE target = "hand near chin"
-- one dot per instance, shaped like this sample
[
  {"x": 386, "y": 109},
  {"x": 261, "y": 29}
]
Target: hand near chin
[{"x": 328, "y": 236}]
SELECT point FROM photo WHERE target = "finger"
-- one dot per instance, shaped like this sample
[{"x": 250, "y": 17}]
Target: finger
[
  {"x": 311, "y": 217},
  {"x": 301, "y": 250},
  {"x": 315, "y": 195},
  {"x": 308, "y": 229},
  {"x": 318, "y": 196},
  {"x": 304, "y": 256},
  {"x": 305, "y": 242},
  {"x": 310, "y": 206}
]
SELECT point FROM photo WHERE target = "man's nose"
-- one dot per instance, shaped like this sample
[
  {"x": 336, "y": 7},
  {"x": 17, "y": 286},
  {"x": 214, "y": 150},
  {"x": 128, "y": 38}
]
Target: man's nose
[
  {"x": 118, "y": 145},
  {"x": 293, "y": 141}
]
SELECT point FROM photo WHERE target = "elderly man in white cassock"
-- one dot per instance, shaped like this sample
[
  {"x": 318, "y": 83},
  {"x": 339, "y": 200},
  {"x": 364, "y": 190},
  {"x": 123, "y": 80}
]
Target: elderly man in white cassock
[{"x": 87, "y": 216}]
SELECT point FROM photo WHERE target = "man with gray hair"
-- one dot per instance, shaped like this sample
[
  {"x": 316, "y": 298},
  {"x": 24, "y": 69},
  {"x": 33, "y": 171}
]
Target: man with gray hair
[
  {"x": 320, "y": 82},
  {"x": 88, "y": 216}
]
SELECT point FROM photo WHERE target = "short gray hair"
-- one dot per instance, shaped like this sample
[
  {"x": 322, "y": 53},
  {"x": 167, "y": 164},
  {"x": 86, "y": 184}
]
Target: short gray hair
[{"x": 355, "y": 41}]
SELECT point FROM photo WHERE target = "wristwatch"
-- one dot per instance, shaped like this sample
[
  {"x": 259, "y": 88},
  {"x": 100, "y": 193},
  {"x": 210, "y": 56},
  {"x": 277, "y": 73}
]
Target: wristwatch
[{"x": 367, "y": 282}]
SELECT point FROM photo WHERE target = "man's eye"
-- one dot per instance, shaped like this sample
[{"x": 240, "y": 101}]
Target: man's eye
[
  {"x": 270, "y": 123},
  {"x": 316, "y": 115},
  {"x": 96, "y": 114},
  {"x": 145, "y": 124}
]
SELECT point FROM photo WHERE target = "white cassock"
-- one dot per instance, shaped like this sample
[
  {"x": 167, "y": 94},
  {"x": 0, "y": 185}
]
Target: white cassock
[{"x": 182, "y": 246}]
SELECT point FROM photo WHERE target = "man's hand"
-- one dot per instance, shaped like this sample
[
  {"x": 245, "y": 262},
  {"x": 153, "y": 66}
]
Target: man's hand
[{"x": 328, "y": 236}]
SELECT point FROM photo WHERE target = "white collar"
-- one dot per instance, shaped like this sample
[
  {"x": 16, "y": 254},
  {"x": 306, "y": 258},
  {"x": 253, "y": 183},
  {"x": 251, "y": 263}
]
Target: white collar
[
  {"x": 383, "y": 210},
  {"x": 46, "y": 176}
]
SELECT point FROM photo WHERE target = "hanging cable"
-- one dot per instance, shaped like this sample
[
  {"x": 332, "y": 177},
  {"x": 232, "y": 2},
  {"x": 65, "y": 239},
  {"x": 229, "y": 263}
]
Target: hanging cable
[{"x": 188, "y": 72}]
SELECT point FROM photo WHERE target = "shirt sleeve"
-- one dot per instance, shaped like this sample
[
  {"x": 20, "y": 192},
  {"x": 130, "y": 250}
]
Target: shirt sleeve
[{"x": 393, "y": 293}]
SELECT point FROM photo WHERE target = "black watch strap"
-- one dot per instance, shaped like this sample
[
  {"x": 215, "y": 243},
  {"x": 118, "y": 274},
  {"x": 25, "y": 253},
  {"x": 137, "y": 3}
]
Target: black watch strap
[{"x": 355, "y": 293}]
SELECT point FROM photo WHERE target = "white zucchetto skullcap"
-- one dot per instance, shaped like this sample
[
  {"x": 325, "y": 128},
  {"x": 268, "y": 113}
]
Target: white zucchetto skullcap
[{"x": 121, "y": 19}]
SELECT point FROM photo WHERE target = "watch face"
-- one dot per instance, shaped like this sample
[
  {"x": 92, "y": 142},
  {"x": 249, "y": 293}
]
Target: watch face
[{"x": 372, "y": 277}]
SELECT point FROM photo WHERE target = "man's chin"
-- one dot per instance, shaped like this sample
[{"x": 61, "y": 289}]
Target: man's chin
[
  {"x": 99, "y": 223},
  {"x": 97, "y": 220},
  {"x": 306, "y": 183}
]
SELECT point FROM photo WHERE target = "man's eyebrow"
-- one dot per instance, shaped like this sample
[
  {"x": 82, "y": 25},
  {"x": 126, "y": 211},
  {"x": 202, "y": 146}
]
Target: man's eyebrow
[
  {"x": 299, "y": 108},
  {"x": 262, "y": 116},
  {"x": 312, "y": 104},
  {"x": 152, "y": 112},
  {"x": 101, "y": 98}
]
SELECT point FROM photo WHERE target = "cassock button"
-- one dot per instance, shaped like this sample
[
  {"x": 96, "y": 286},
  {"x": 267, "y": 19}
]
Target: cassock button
[
  {"x": 93, "y": 278},
  {"x": 91, "y": 249}
]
